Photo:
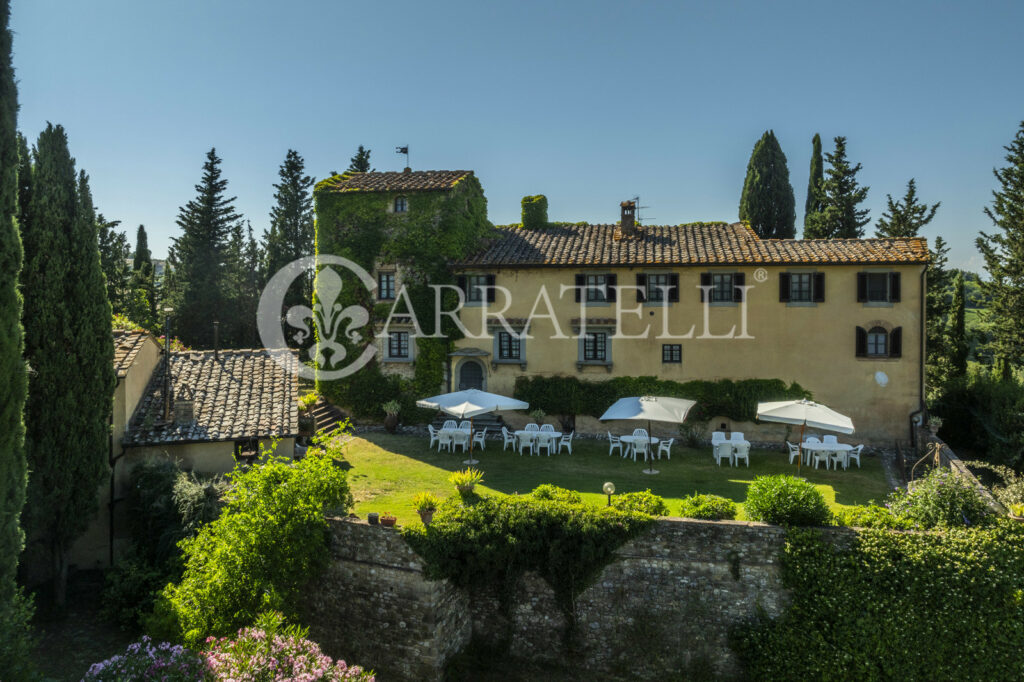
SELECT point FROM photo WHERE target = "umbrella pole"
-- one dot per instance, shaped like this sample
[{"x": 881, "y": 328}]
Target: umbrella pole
[
  {"x": 470, "y": 460},
  {"x": 800, "y": 449},
  {"x": 649, "y": 454}
]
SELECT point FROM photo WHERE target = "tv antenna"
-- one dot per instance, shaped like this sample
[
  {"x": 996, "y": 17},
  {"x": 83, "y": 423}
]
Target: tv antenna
[
  {"x": 404, "y": 150},
  {"x": 636, "y": 201}
]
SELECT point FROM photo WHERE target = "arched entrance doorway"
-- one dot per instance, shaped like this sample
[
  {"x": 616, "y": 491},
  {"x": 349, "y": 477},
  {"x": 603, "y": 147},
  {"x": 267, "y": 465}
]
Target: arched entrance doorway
[{"x": 471, "y": 375}]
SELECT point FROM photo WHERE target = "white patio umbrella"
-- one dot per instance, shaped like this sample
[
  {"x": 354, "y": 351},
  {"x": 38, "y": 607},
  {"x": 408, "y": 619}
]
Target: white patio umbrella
[
  {"x": 805, "y": 413},
  {"x": 650, "y": 409},
  {"x": 471, "y": 403}
]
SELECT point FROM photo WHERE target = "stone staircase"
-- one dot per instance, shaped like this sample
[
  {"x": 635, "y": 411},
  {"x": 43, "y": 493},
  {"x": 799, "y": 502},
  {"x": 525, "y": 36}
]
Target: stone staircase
[{"x": 326, "y": 416}]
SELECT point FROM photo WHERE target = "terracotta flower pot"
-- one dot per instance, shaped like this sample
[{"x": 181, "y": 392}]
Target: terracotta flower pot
[
  {"x": 426, "y": 516},
  {"x": 391, "y": 423},
  {"x": 464, "y": 489},
  {"x": 388, "y": 521}
]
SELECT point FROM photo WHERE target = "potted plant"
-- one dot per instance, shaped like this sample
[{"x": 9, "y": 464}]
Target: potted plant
[
  {"x": 1017, "y": 512},
  {"x": 934, "y": 424},
  {"x": 307, "y": 423},
  {"x": 537, "y": 415},
  {"x": 386, "y": 519},
  {"x": 391, "y": 409},
  {"x": 425, "y": 505},
  {"x": 464, "y": 481},
  {"x": 373, "y": 518}
]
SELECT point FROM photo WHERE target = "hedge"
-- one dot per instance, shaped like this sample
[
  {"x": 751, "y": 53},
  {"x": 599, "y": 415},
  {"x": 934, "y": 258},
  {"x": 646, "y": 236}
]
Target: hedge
[{"x": 733, "y": 399}]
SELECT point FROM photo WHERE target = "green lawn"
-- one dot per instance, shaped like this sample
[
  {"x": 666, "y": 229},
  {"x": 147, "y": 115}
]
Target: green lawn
[{"x": 387, "y": 470}]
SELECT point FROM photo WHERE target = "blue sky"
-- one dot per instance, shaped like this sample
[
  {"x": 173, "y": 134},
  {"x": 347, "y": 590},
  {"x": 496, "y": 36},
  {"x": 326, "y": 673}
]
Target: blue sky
[{"x": 589, "y": 103}]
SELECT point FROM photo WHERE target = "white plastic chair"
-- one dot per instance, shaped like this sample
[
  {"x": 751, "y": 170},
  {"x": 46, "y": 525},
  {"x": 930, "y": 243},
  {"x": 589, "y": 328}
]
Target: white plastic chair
[
  {"x": 819, "y": 456},
  {"x": 566, "y": 442},
  {"x": 546, "y": 441},
  {"x": 741, "y": 452},
  {"x": 433, "y": 435},
  {"x": 736, "y": 437},
  {"x": 854, "y": 454},
  {"x": 794, "y": 451},
  {"x": 717, "y": 437},
  {"x": 531, "y": 427},
  {"x": 465, "y": 424},
  {"x": 449, "y": 424},
  {"x": 547, "y": 427},
  {"x": 460, "y": 439},
  {"x": 665, "y": 448},
  {"x": 722, "y": 450},
  {"x": 509, "y": 439},
  {"x": 478, "y": 439},
  {"x": 613, "y": 442},
  {"x": 838, "y": 457},
  {"x": 526, "y": 441},
  {"x": 641, "y": 445},
  {"x": 829, "y": 439},
  {"x": 445, "y": 441}
]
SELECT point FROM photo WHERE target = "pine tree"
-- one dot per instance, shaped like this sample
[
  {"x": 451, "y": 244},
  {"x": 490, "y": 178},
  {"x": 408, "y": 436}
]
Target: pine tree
[
  {"x": 14, "y": 608},
  {"x": 360, "y": 163},
  {"x": 767, "y": 201},
  {"x": 197, "y": 259},
  {"x": 243, "y": 285},
  {"x": 142, "y": 254},
  {"x": 114, "y": 254},
  {"x": 1002, "y": 253},
  {"x": 957, "y": 333},
  {"x": 291, "y": 224},
  {"x": 69, "y": 345},
  {"x": 839, "y": 217},
  {"x": 813, "y": 203},
  {"x": 906, "y": 217}
]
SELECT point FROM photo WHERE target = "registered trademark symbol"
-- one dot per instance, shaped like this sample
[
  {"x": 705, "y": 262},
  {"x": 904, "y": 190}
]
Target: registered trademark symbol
[{"x": 760, "y": 274}]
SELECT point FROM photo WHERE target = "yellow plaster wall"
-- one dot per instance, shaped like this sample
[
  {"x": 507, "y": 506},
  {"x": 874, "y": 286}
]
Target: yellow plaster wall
[{"x": 813, "y": 345}]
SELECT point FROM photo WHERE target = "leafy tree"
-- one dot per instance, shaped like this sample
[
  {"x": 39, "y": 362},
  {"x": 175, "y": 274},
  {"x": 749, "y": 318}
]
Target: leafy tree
[
  {"x": 360, "y": 163},
  {"x": 813, "y": 203},
  {"x": 14, "y": 608},
  {"x": 839, "y": 217},
  {"x": 959, "y": 348},
  {"x": 936, "y": 307},
  {"x": 291, "y": 224},
  {"x": 1002, "y": 253},
  {"x": 197, "y": 259},
  {"x": 69, "y": 345},
  {"x": 114, "y": 254},
  {"x": 767, "y": 201},
  {"x": 906, "y": 217},
  {"x": 142, "y": 253}
]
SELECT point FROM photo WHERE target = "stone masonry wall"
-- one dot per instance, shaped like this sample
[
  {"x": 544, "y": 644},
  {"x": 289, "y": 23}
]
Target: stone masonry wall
[{"x": 665, "y": 603}]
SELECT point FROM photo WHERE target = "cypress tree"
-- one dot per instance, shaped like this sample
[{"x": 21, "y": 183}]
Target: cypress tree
[
  {"x": 1002, "y": 253},
  {"x": 906, "y": 217},
  {"x": 114, "y": 254},
  {"x": 767, "y": 201},
  {"x": 291, "y": 224},
  {"x": 936, "y": 309},
  {"x": 839, "y": 217},
  {"x": 360, "y": 163},
  {"x": 958, "y": 346},
  {"x": 197, "y": 261},
  {"x": 142, "y": 254},
  {"x": 69, "y": 346},
  {"x": 14, "y": 608},
  {"x": 817, "y": 176}
]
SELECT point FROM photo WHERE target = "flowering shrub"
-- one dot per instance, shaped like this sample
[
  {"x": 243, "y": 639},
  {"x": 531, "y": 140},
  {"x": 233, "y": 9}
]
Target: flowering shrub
[
  {"x": 144, "y": 660},
  {"x": 272, "y": 652},
  {"x": 941, "y": 499}
]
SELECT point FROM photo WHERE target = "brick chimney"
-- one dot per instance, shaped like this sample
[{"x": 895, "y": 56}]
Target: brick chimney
[{"x": 628, "y": 218}]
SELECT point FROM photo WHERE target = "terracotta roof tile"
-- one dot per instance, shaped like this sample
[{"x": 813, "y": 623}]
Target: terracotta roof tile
[
  {"x": 691, "y": 244},
  {"x": 413, "y": 181},
  {"x": 241, "y": 394},
  {"x": 127, "y": 345}
]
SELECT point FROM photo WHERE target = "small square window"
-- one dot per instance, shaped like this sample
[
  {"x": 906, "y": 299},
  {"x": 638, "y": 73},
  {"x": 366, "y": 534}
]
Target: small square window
[
  {"x": 508, "y": 346},
  {"x": 800, "y": 284},
  {"x": 595, "y": 347},
  {"x": 401, "y": 205},
  {"x": 878, "y": 287},
  {"x": 476, "y": 288},
  {"x": 398, "y": 345},
  {"x": 386, "y": 286},
  {"x": 671, "y": 353},
  {"x": 877, "y": 342},
  {"x": 721, "y": 287}
]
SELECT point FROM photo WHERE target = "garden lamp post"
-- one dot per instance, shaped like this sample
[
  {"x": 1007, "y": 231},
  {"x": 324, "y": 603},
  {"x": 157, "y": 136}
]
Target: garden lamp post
[{"x": 608, "y": 489}]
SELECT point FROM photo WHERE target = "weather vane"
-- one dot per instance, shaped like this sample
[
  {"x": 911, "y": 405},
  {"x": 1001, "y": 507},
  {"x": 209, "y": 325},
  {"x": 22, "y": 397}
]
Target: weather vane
[{"x": 404, "y": 150}]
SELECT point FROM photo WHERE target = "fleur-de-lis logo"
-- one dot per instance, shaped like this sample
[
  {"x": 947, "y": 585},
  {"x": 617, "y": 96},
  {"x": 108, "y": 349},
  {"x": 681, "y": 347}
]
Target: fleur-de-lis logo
[{"x": 334, "y": 323}]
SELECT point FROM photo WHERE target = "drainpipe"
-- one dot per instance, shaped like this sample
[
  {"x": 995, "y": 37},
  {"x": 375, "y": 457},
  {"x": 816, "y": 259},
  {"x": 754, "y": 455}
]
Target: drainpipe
[{"x": 919, "y": 413}]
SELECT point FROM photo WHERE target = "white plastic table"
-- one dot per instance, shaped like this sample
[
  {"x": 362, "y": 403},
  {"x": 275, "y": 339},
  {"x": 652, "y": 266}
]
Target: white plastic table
[
  {"x": 630, "y": 440},
  {"x": 841, "y": 448},
  {"x": 453, "y": 433}
]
